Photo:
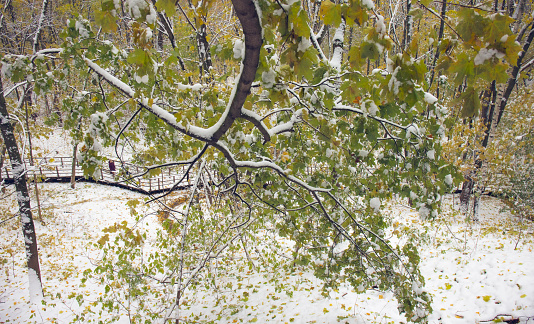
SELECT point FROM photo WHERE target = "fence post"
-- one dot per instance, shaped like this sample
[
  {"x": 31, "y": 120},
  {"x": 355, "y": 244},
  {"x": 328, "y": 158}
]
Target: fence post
[{"x": 57, "y": 171}]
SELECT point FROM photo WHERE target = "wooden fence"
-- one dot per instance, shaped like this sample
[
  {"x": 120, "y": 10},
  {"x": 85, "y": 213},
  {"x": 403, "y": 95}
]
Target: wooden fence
[{"x": 59, "y": 169}]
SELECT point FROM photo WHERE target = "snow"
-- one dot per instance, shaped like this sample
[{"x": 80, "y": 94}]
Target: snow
[
  {"x": 486, "y": 54},
  {"x": 239, "y": 49},
  {"x": 151, "y": 17},
  {"x": 110, "y": 78},
  {"x": 143, "y": 79},
  {"x": 135, "y": 7},
  {"x": 268, "y": 78},
  {"x": 304, "y": 44},
  {"x": 448, "y": 179},
  {"x": 34, "y": 287},
  {"x": 369, "y": 4},
  {"x": 80, "y": 27},
  {"x": 380, "y": 25},
  {"x": 370, "y": 107},
  {"x": 424, "y": 212},
  {"x": 375, "y": 204},
  {"x": 462, "y": 268},
  {"x": 337, "y": 56},
  {"x": 473, "y": 270},
  {"x": 430, "y": 99},
  {"x": 339, "y": 248},
  {"x": 431, "y": 154}
]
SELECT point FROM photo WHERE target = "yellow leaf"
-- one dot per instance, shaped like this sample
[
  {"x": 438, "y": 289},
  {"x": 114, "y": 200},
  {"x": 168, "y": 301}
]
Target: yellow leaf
[
  {"x": 523, "y": 296},
  {"x": 486, "y": 298},
  {"x": 459, "y": 316},
  {"x": 381, "y": 297},
  {"x": 284, "y": 157}
]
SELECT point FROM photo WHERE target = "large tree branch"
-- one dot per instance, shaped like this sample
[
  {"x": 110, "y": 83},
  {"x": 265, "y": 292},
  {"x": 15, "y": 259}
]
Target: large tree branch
[{"x": 250, "y": 22}]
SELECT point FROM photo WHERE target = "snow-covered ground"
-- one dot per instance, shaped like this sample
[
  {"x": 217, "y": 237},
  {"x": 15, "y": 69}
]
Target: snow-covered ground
[{"x": 474, "y": 271}]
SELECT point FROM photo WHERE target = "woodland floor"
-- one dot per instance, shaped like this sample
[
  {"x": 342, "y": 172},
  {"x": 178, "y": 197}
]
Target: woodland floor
[
  {"x": 473, "y": 270},
  {"x": 477, "y": 272}
]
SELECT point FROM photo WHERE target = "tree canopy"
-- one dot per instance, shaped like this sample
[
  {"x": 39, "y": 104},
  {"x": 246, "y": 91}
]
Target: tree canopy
[{"x": 299, "y": 117}]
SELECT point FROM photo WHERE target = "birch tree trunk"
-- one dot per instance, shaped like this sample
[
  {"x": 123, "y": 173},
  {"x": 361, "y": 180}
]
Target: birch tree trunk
[{"x": 23, "y": 199}]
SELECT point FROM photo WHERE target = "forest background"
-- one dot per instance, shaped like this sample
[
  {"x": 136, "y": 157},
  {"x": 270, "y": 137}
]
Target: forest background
[{"x": 300, "y": 118}]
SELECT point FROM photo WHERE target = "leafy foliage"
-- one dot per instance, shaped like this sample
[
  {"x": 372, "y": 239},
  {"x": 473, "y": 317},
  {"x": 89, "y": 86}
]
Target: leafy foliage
[{"x": 282, "y": 136}]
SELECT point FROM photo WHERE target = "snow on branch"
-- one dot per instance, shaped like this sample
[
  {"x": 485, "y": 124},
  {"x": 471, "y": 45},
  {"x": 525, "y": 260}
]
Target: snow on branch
[
  {"x": 264, "y": 165},
  {"x": 40, "y": 26},
  {"x": 340, "y": 107},
  {"x": 337, "y": 56},
  {"x": 288, "y": 126}
]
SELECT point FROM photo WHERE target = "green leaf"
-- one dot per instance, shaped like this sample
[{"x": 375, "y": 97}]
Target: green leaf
[
  {"x": 471, "y": 103},
  {"x": 138, "y": 57},
  {"x": 355, "y": 58},
  {"x": 106, "y": 20},
  {"x": 167, "y": 6},
  {"x": 472, "y": 25},
  {"x": 369, "y": 51},
  {"x": 331, "y": 13},
  {"x": 462, "y": 68},
  {"x": 356, "y": 13},
  {"x": 300, "y": 20},
  {"x": 305, "y": 66},
  {"x": 493, "y": 71},
  {"x": 108, "y": 5}
]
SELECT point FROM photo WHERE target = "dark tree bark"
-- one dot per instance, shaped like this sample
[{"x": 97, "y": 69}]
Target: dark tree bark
[
  {"x": 440, "y": 37},
  {"x": 488, "y": 116},
  {"x": 73, "y": 171},
  {"x": 515, "y": 73},
  {"x": 2, "y": 155},
  {"x": 204, "y": 50},
  {"x": 23, "y": 198},
  {"x": 465, "y": 196},
  {"x": 406, "y": 38}
]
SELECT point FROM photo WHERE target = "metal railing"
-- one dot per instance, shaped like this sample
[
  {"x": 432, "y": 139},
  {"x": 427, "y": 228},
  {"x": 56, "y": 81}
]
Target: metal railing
[{"x": 60, "y": 169}]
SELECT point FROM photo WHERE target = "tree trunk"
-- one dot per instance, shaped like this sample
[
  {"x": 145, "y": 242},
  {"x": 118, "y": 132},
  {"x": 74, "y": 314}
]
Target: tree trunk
[
  {"x": 23, "y": 198},
  {"x": 515, "y": 74},
  {"x": 2, "y": 155},
  {"x": 204, "y": 50},
  {"x": 406, "y": 38},
  {"x": 73, "y": 173},
  {"x": 30, "y": 147},
  {"x": 465, "y": 196},
  {"x": 490, "y": 121},
  {"x": 440, "y": 37}
]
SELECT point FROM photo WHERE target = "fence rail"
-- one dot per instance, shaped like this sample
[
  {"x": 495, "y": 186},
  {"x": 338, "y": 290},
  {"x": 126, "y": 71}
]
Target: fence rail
[{"x": 59, "y": 169}]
